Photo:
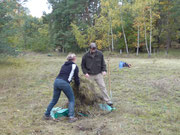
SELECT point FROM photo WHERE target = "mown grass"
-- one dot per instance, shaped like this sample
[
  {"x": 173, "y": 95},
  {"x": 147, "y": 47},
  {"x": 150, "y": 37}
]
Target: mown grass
[{"x": 146, "y": 97}]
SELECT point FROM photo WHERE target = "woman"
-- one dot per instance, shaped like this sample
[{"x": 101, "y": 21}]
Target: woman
[{"x": 62, "y": 83}]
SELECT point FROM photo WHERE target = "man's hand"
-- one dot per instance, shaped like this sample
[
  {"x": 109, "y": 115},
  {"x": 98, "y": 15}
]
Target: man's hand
[
  {"x": 87, "y": 75},
  {"x": 104, "y": 72}
]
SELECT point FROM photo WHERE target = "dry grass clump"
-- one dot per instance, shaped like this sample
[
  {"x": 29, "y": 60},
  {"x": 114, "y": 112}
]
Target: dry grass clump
[{"x": 87, "y": 97}]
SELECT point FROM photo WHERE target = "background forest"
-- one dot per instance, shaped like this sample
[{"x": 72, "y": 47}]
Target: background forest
[{"x": 128, "y": 26}]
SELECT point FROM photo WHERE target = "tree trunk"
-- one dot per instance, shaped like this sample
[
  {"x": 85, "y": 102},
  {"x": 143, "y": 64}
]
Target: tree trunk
[
  {"x": 124, "y": 37},
  {"x": 168, "y": 42},
  {"x": 137, "y": 53},
  {"x": 112, "y": 35},
  {"x": 150, "y": 41},
  {"x": 109, "y": 40},
  {"x": 124, "y": 32},
  {"x": 146, "y": 37},
  {"x": 25, "y": 41}
]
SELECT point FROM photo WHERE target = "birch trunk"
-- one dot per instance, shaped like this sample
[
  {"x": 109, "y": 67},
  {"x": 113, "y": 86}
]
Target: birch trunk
[
  {"x": 109, "y": 40},
  {"x": 123, "y": 31},
  {"x": 124, "y": 37},
  {"x": 112, "y": 36},
  {"x": 150, "y": 41},
  {"x": 145, "y": 37}
]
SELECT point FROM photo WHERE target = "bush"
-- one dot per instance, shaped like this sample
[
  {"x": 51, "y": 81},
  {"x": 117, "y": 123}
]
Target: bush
[{"x": 5, "y": 50}]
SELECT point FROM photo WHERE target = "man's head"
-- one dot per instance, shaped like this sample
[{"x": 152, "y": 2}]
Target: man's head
[
  {"x": 93, "y": 47},
  {"x": 71, "y": 57}
]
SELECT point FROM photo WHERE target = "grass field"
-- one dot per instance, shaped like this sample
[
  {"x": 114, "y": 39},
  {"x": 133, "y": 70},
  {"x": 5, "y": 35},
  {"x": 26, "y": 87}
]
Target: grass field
[{"x": 146, "y": 97}]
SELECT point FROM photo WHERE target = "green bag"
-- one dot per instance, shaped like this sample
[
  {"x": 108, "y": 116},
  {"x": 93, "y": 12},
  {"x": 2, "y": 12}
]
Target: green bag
[
  {"x": 106, "y": 107},
  {"x": 59, "y": 112}
]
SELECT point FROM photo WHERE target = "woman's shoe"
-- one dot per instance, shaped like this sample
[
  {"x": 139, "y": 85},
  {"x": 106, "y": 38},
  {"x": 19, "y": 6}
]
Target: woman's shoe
[{"x": 47, "y": 117}]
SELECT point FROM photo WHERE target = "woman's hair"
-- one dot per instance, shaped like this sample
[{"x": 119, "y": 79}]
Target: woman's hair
[{"x": 71, "y": 56}]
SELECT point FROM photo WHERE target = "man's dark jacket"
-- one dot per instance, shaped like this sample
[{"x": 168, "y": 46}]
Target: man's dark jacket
[{"x": 93, "y": 64}]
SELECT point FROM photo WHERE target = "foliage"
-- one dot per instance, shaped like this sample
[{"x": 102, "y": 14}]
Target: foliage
[
  {"x": 144, "y": 14},
  {"x": 73, "y": 25},
  {"x": 36, "y": 35},
  {"x": 7, "y": 9},
  {"x": 81, "y": 39},
  {"x": 63, "y": 14},
  {"x": 168, "y": 24}
]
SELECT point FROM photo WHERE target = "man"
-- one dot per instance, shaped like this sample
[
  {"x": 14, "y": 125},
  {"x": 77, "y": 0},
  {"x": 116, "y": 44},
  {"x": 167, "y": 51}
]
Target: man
[
  {"x": 94, "y": 67},
  {"x": 62, "y": 83}
]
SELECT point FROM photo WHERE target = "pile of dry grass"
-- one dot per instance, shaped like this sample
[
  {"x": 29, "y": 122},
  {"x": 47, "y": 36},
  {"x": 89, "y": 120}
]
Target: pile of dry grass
[{"x": 87, "y": 97}]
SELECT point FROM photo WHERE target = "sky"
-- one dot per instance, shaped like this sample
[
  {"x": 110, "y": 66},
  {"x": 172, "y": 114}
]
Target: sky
[{"x": 36, "y": 7}]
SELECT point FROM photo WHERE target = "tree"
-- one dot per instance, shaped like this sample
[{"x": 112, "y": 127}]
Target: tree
[
  {"x": 145, "y": 17},
  {"x": 9, "y": 24},
  {"x": 168, "y": 25},
  {"x": 65, "y": 12},
  {"x": 121, "y": 18},
  {"x": 135, "y": 25},
  {"x": 80, "y": 37},
  {"x": 35, "y": 35}
]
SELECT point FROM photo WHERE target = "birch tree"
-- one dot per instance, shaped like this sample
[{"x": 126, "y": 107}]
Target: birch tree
[
  {"x": 121, "y": 17},
  {"x": 144, "y": 18}
]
